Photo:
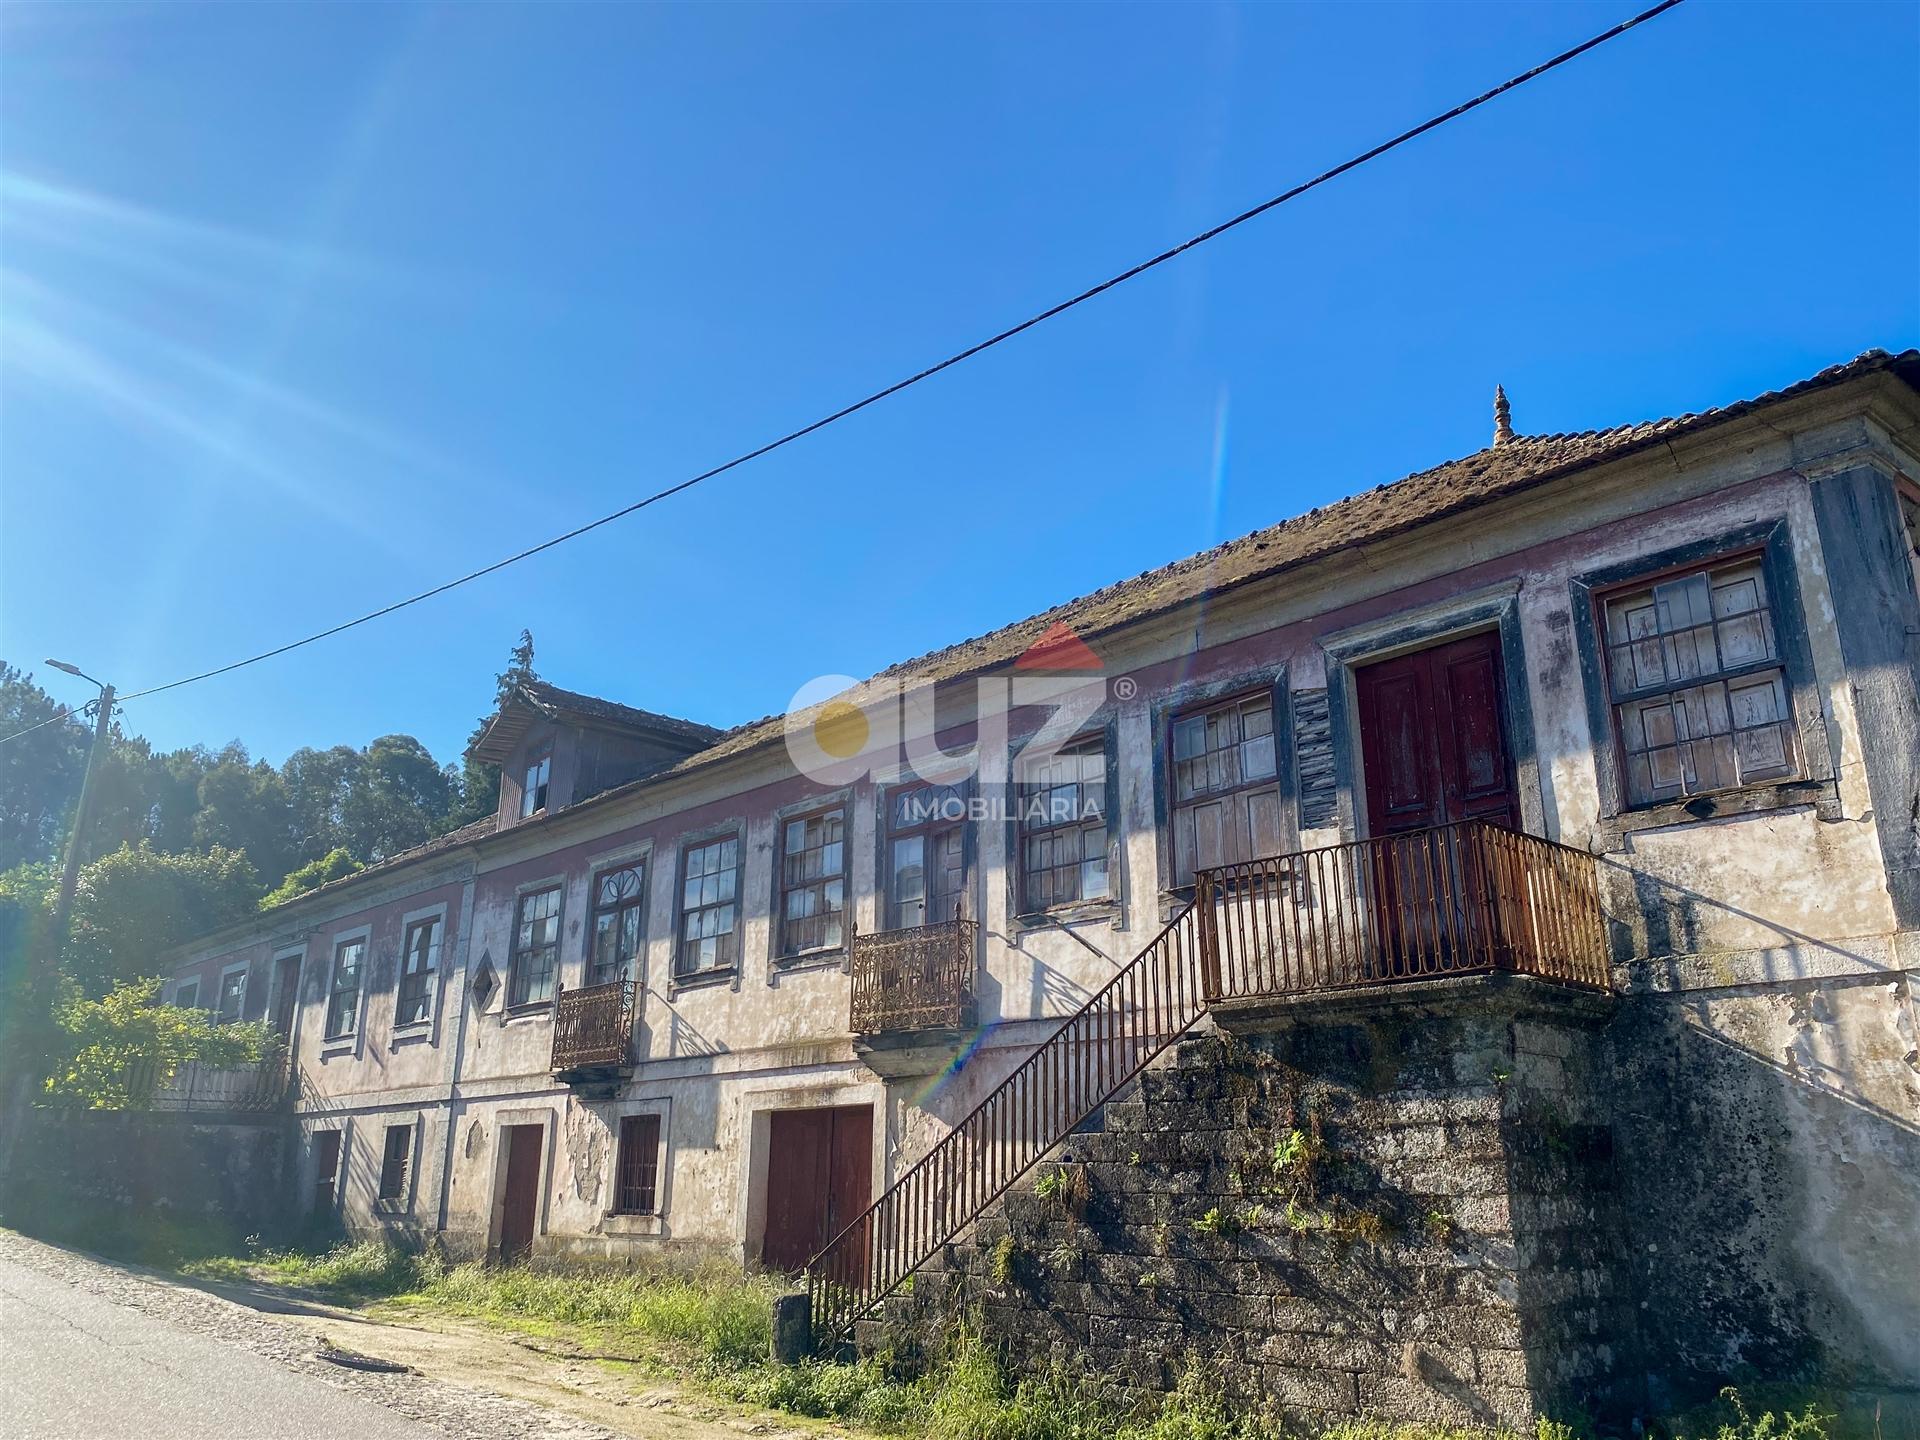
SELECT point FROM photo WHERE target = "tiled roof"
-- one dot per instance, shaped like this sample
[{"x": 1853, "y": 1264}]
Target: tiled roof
[
  {"x": 1459, "y": 485},
  {"x": 1477, "y": 479},
  {"x": 558, "y": 703}
]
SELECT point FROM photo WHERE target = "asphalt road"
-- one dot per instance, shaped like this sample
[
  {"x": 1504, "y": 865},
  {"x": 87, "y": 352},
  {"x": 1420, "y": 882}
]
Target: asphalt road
[{"x": 74, "y": 1364}]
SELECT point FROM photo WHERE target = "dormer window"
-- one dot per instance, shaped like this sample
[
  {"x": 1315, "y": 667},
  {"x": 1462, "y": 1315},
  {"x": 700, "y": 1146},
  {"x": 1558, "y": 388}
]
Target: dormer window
[{"x": 533, "y": 789}]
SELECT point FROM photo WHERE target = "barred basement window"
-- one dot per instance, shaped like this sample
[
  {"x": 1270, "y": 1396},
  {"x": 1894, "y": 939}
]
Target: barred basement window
[
  {"x": 394, "y": 1160},
  {"x": 420, "y": 957},
  {"x": 638, "y": 1167},
  {"x": 813, "y": 868},
  {"x": 343, "y": 997},
  {"x": 1700, "y": 697},
  {"x": 536, "y": 948},
  {"x": 1063, "y": 828}
]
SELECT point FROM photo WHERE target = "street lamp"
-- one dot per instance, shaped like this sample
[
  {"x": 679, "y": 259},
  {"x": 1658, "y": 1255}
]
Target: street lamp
[{"x": 70, "y": 876}]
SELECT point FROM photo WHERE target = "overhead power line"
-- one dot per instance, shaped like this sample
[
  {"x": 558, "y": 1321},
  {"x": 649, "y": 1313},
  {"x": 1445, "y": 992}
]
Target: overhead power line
[{"x": 930, "y": 371}]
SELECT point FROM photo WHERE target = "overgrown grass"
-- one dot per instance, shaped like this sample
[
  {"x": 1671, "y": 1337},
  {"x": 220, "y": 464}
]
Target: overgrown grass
[{"x": 711, "y": 1325}]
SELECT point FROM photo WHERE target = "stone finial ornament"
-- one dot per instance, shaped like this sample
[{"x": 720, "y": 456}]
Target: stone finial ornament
[{"x": 1502, "y": 416}]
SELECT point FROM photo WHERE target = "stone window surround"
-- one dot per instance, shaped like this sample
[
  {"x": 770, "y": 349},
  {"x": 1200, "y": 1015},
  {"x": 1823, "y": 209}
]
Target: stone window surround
[
  {"x": 617, "y": 1223},
  {"x": 310, "y": 1159},
  {"x": 1111, "y": 908},
  {"x": 1818, "y": 787},
  {"x": 296, "y": 952},
  {"x": 1493, "y": 607},
  {"x": 425, "y": 1031},
  {"x": 728, "y": 977},
  {"x": 192, "y": 984},
  {"x": 837, "y": 957},
  {"x": 532, "y": 1009},
  {"x": 402, "y": 1204},
  {"x": 241, "y": 968},
  {"x": 1269, "y": 680},
  {"x": 880, "y": 891},
  {"x": 354, "y": 1045}
]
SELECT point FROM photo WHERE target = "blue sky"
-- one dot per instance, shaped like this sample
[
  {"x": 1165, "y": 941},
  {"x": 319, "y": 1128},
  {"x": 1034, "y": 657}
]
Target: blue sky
[{"x": 305, "y": 308}]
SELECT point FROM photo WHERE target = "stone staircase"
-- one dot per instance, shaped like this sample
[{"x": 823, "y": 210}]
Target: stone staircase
[{"x": 1396, "y": 1205}]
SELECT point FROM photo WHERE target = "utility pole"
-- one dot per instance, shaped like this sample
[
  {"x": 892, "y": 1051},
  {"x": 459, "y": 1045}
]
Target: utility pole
[{"x": 70, "y": 876}]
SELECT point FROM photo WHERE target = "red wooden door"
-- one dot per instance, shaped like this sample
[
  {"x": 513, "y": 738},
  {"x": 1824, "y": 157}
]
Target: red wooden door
[
  {"x": 1434, "y": 738},
  {"x": 819, "y": 1177},
  {"x": 520, "y": 1205}
]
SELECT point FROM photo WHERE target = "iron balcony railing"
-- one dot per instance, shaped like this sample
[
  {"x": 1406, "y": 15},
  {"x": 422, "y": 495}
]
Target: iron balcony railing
[
  {"x": 915, "y": 979},
  {"x": 1456, "y": 899},
  {"x": 593, "y": 1026},
  {"x": 258, "y": 1088}
]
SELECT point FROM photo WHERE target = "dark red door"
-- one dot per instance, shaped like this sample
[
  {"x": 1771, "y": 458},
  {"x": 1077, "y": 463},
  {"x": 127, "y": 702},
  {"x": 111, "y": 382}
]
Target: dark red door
[
  {"x": 1434, "y": 740},
  {"x": 520, "y": 1204},
  {"x": 819, "y": 1178}
]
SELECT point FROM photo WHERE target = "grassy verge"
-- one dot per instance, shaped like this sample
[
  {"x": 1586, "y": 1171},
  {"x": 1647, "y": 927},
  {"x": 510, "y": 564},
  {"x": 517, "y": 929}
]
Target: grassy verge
[{"x": 709, "y": 1325}]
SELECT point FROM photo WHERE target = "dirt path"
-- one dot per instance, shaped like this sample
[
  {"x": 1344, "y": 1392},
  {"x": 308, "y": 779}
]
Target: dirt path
[{"x": 462, "y": 1378}]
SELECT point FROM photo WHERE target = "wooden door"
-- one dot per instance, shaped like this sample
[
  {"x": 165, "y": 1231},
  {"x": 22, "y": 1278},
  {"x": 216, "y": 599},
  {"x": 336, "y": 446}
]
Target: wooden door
[
  {"x": 286, "y": 995},
  {"x": 326, "y": 1170},
  {"x": 819, "y": 1178},
  {"x": 1433, "y": 737},
  {"x": 520, "y": 1198}
]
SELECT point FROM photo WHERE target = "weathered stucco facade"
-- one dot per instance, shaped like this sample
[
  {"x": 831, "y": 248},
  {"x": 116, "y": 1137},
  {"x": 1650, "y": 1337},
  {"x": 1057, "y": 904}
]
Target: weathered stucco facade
[{"x": 1763, "y": 1088}]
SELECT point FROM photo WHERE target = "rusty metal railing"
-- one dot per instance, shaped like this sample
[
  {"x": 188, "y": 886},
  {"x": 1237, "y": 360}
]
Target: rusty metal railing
[
  {"x": 916, "y": 979},
  {"x": 257, "y": 1088},
  {"x": 593, "y": 1026},
  {"x": 1096, "y": 1050},
  {"x": 1456, "y": 899}
]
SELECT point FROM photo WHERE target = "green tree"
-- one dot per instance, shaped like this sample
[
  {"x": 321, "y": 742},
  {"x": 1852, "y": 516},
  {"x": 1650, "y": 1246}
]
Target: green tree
[
  {"x": 402, "y": 799},
  {"x": 39, "y": 771},
  {"x": 477, "y": 786},
  {"x": 336, "y": 864},
  {"x": 134, "y": 905},
  {"x": 110, "y": 1052},
  {"x": 244, "y": 806},
  {"x": 318, "y": 783}
]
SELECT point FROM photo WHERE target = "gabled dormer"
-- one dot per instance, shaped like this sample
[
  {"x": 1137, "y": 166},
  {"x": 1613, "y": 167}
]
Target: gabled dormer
[{"x": 556, "y": 747}]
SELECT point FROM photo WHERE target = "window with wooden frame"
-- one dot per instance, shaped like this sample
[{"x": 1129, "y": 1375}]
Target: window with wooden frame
[
  {"x": 326, "y": 1169},
  {"x": 535, "y": 780},
  {"x": 813, "y": 883},
  {"x": 637, "y": 1166},
  {"x": 926, "y": 857},
  {"x": 619, "y": 924},
  {"x": 343, "y": 992},
  {"x": 1063, "y": 827},
  {"x": 1696, "y": 682},
  {"x": 536, "y": 948},
  {"x": 186, "y": 994},
  {"x": 1225, "y": 785},
  {"x": 709, "y": 907},
  {"x": 231, "y": 1000},
  {"x": 419, "y": 963},
  {"x": 396, "y": 1158}
]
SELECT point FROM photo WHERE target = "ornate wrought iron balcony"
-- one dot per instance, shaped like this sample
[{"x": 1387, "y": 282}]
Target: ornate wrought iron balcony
[
  {"x": 917, "y": 979},
  {"x": 593, "y": 1029}
]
